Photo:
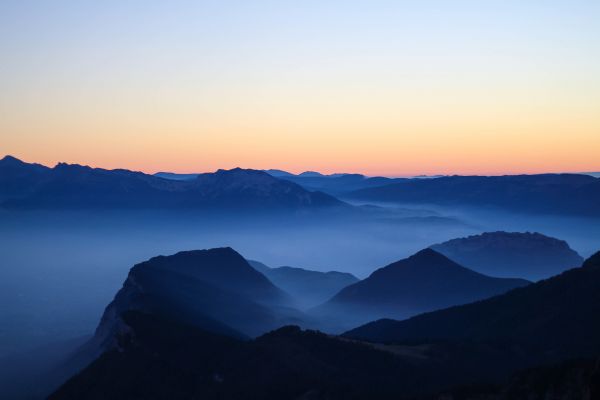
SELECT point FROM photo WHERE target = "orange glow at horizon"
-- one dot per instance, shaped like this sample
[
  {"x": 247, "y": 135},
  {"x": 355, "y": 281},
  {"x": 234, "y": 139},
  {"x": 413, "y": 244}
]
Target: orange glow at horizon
[{"x": 389, "y": 89}]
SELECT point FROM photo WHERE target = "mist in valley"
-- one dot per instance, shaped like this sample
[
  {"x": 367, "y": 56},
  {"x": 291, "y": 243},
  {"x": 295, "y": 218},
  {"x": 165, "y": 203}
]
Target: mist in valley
[{"x": 61, "y": 269}]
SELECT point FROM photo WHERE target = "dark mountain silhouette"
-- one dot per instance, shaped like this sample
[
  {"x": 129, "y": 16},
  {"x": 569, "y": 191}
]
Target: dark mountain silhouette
[
  {"x": 277, "y": 173},
  {"x": 215, "y": 289},
  {"x": 550, "y": 320},
  {"x": 18, "y": 178},
  {"x": 542, "y": 194},
  {"x": 511, "y": 254},
  {"x": 158, "y": 358},
  {"x": 425, "y": 281},
  {"x": 76, "y": 186},
  {"x": 309, "y": 288}
]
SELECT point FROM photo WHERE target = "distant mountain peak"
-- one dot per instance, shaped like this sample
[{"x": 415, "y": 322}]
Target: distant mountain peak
[
  {"x": 78, "y": 186},
  {"x": 423, "y": 260},
  {"x": 309, "y": 288},
  {"x": 423, "y": 282},
  {"x": 529, "y": 255},
  {"x": 310, "y": 173},
  {"x": 428, "y": 254},
  {"x": 244, "y": 171},
  {"x": 278, "y": 173},
  {"x": 10, "y": 159}
]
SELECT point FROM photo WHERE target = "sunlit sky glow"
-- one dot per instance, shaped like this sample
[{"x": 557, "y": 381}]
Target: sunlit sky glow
[{"x": 378, "y": 87}]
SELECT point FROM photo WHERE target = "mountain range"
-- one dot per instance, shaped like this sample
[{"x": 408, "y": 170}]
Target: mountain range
[
  {"x": 528, "y": 255},
  {"x": 464, "y": 352},
  {"x": 72, "y": 186},
  {"x": 550, "y": 320},
  {"x": 24, "y": 185},
  {"x": 565, "y": 194},
  {"x": 158, "y": 358},
  {"x": 308, "y": 288},
  {"x": 423, "y": 282}
]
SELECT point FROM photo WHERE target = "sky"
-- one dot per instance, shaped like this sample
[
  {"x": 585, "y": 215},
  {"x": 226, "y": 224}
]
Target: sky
[{"x": 377, "y": 87}]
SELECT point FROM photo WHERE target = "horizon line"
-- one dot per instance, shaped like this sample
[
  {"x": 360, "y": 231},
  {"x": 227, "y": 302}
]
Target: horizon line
[{"x": 292, "y": 171}]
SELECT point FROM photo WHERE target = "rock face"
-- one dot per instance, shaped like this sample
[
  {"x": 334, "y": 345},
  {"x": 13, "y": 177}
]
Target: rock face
[
  {"x": 426, "y": 281},
  {"x": 75, "y": 186},
  {"x": 512, "y": 254},
  {"x": 309, "y": 288},
  {"x": 215, "y": 289}
]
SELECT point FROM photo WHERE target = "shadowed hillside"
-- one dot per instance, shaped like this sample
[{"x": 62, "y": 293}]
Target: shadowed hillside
[
  {"x": 309, "y": 288},
  {"x": 425, "y": 281},
  {"x": 549, "y": 320}
]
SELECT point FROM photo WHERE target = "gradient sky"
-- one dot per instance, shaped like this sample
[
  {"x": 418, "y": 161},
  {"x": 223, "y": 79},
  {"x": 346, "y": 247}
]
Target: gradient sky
[{"x": 378, "y": 87}]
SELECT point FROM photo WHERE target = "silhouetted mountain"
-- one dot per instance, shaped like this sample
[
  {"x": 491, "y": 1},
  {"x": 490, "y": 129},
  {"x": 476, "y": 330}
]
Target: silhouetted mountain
[
  {"x": 309, "y": 288},
  {"x": 277, "y": 173},
  {"x": 161, "y": 359},
  {"x": 549, "y": 320},
  {"x": 18, "y": 178},
  {"x": 512, "y": 254},
  {"x": 546, "y": 193},
  {"x": 423, "y": 282},
  {"x": 76, "y": 186},
  {"x": 157, "y": 357},
  {"x": 215, "y": 289}
]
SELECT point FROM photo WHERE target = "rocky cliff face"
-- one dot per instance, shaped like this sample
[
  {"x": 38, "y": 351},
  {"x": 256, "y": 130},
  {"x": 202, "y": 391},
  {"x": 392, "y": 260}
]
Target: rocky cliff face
[{"x": 216, "y": 290}]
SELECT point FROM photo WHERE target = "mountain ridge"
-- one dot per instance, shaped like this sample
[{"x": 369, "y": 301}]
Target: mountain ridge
[
  {"x": 308, "y": 287},
  {"x": 528, "y": 255},
  {"x": 78, "y": 186},
  {"x": 425, "y": 281},
  {"x": 550, "y": 318},
  {"x": 557, "y": 194}
]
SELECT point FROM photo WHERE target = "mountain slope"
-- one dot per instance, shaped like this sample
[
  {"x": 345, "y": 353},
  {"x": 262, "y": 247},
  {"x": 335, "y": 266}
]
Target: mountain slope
[
  {"x": 546, "y": 193},
  {"x": 18, "y": 178},
  {"x": 512, "y": 254},
  {"x": 215, "y": 289},
  {"x": 425, "y": 281},
  {"x": 256, "y": 188},
  {"x": 309, "y": 288},
  {"x": 554, "y": 318},
  {"x": 162, "y": 359},
  {"x": 76, "y": 186}
]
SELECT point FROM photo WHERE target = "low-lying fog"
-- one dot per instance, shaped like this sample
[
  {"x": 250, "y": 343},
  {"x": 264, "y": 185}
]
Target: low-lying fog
[{"x": 58, "y": 270}]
